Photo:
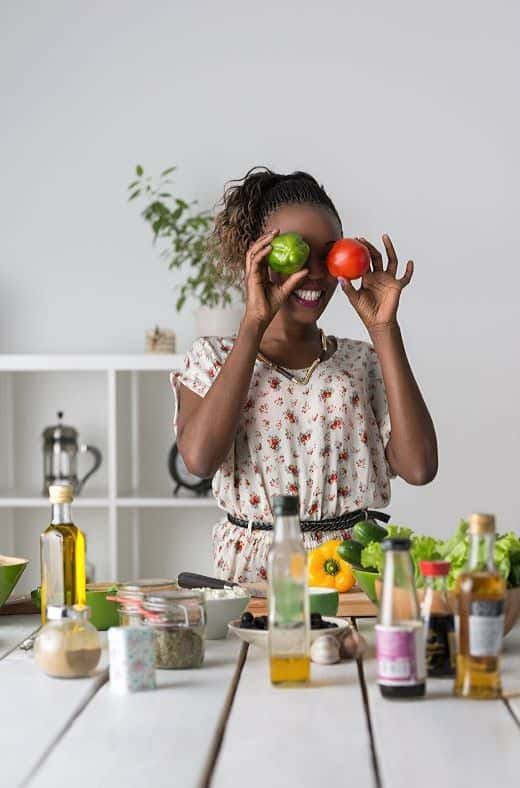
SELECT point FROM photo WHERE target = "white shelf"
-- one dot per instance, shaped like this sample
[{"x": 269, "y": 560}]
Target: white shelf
[
  {"x": 13, "y": 500},
  {"x": 90, "y": 363},
  {"x": 181, "y": 502}
]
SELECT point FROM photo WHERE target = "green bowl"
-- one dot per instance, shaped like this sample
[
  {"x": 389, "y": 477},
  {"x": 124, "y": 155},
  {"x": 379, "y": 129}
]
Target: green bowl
[
  {"x": 324, "y": 601},
  {"x": 11, "y": 570},
  {"x": 367, "y": 581},
  {"x": 103, "y": 611}
]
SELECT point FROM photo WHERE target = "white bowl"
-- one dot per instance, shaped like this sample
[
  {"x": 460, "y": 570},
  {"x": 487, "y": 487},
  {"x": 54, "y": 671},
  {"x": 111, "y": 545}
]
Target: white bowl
[
  {"x": 219, "y": 612},
  {"x": 258, "y": 637}
]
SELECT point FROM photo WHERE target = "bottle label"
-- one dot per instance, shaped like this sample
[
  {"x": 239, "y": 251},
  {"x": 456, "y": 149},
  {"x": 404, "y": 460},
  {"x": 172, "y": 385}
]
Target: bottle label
[
  {"x": 486, "y": 627},
  {"x": 400, "y": 655}
]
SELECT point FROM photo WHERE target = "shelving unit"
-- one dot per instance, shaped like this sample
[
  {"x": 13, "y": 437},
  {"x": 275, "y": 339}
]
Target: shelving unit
[{"x": 123, "y": 405}]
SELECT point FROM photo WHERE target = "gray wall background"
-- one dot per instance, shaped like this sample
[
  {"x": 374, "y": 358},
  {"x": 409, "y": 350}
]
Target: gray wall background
[{"x": 406, "y": 111}]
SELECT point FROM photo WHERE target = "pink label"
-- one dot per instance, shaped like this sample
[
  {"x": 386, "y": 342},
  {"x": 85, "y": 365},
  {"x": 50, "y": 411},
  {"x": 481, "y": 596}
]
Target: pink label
[{"x": 400, "y": 655}]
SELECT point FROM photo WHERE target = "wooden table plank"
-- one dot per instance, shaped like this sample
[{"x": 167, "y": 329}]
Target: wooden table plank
[
  {"x": 36, "y": 709},
  {"x": 511, "y": 672},
  {"x": 14, "y": 629},
  {"x": 310, "y": 736},
  {"x": 160, "y": 737},
  {"x": 442, "y": 740}
]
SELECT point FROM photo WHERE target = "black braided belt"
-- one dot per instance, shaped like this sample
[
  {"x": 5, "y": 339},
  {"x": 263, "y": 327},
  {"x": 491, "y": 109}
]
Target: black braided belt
[{"x": 331, "y": 524}]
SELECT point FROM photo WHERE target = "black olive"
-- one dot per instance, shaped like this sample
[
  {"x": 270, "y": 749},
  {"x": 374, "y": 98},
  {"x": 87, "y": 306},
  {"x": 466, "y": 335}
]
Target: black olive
[{"x": 247, "y": 620}]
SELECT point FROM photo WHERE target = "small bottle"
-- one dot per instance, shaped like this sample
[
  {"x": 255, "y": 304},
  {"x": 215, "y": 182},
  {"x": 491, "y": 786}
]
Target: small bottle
[
  {"x": 399, "y": 633},
  {"x": 438, "y": 619},
  {"x": 289, "y": 619},
  {"x": 68, "y": 646},
  {"x": 481, "y": 592},
  {"x": 62, "y": 555}
]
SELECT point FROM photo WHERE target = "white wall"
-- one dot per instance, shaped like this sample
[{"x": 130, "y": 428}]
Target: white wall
[{"x": 407, "y": 112}]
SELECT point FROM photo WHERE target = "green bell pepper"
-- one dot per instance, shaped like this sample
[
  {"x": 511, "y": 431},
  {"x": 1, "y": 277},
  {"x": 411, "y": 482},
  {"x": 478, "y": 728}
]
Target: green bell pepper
[{"x": 289, "y": 253}]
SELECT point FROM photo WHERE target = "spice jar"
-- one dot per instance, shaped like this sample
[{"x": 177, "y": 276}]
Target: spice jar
[
  {"x": 130, "y": 596},
  {"x": 68, "y": 646},
  {"x": 178, "y": 619}
]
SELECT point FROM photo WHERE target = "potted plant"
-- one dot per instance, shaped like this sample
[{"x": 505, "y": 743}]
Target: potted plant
[{"x": 184, "y": 235}]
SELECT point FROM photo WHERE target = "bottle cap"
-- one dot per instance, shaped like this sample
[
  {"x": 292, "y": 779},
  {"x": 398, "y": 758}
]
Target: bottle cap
[
  {"x": 61, "y": 493},
  {"x": 481, "y": 524},
  {"x": 286, "y": 504},
  {"x": 396, "y": 543},
  {"x": 434, "y": 568}
]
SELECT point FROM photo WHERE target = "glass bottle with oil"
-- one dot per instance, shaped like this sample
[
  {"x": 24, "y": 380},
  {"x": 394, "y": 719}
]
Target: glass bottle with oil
[
  {"x": 289, "y": 620},
  {"x": 62, "y": 555},
  {"x": 481, "y": 592}
]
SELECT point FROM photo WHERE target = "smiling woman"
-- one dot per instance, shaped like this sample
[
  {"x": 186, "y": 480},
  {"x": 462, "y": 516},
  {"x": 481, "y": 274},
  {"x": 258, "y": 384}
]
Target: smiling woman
[{"x": 283, "y": 409}]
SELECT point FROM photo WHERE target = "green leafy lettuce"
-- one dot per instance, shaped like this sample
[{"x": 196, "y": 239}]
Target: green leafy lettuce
[{"x": 455, "y": 550}]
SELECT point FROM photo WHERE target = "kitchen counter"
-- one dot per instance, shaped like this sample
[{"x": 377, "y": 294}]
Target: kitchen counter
[{"x": 224, "y": 724}]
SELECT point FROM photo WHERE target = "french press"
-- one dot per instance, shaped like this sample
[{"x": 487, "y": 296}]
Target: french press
[{"x": 60, "y": 453}]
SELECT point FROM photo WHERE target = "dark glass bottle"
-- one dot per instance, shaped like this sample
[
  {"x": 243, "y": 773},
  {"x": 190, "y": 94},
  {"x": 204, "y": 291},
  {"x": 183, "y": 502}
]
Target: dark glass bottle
[{"x": 439, "y": 621}]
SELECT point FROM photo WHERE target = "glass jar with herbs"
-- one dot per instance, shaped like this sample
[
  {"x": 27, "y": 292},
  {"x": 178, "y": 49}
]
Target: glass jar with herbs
[{"x": 178, "y": 619}]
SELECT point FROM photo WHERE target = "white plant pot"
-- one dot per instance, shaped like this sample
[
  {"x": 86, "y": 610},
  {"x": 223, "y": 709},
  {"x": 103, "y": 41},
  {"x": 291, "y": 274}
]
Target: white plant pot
[{"x": 216, "y": 321}]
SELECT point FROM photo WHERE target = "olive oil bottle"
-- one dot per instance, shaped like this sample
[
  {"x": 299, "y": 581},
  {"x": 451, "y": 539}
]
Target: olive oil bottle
[
  {"x": 62, "y": 555},
  {"x": 289, "y": 620},
  {"x": 480, "y": 591}
]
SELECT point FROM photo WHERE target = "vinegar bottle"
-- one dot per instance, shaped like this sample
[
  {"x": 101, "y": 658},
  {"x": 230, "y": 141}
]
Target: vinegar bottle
[
  {"x": 480, "y": 591},
  {"x": 399, "y": 634},
  {"x": 289, "y": 621},
  {"x": 62, "y": 555}
]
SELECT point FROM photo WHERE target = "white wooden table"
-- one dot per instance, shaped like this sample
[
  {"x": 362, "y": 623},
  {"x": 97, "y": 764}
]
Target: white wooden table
[{"x": 225, "y": 726}]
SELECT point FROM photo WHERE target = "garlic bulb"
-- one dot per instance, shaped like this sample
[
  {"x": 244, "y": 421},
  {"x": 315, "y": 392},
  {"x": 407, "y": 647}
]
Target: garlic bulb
[
  {"x": 352, "y": 645},
  {"x": 325, "y": 650}
]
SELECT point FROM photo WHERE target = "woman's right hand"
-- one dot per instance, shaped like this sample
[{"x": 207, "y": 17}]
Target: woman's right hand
[{"x": 266, "y": 290}]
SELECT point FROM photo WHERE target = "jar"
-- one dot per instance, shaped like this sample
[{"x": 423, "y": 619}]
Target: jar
[
  {"x": 178, "y": 619},
  {"x": 68, "y": 645},
  {"x": 130, "y": 595}
]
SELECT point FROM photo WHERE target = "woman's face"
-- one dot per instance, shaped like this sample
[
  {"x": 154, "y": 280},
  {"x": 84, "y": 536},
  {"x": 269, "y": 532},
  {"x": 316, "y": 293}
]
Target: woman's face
[{"x": 320, "y": 228}]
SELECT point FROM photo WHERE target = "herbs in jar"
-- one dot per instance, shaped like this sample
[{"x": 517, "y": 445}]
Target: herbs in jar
[{"x": 178, "y": 620}]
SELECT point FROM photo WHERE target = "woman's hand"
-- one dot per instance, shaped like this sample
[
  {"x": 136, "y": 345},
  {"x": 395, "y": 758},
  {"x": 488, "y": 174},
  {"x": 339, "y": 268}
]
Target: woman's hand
[
  {"x": 377, "y": 299},
  {"x": 266, "y": 291}
]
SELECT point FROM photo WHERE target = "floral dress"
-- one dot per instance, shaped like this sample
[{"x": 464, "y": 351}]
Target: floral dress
[{"x": 324, "y": 442}]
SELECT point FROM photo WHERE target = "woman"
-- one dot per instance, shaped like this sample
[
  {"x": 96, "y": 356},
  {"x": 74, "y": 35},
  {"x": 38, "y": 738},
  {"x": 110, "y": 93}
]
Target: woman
[{"x": 282, "y": 408}]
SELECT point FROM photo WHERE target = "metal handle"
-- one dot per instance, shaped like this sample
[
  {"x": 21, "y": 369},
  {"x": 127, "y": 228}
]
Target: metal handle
[{"x": 98, "y": 457}]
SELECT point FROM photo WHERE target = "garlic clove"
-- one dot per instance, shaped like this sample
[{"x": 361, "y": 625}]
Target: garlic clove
[
  {"x": 352, "y": 645},
  {"x": 325, "y": 650}
]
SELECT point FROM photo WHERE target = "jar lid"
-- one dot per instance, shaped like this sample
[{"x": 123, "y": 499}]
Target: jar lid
[
  {"x": 137, "y": 589},
  {"x": 434, "y": 568},
  {"x": 75, "y": 613},
  {"x": 480, "y": 524},
  {"x": 168, "y": 600},
  {"x": 396, "y": 543}
]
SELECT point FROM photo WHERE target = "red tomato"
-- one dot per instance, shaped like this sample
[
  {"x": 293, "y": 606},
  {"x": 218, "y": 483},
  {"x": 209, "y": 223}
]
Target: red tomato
[{"x": 348, "y": 259}]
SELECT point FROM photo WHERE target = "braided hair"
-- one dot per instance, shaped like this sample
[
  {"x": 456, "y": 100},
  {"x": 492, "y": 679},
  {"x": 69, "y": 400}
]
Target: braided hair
[{"x": 248, "y": 202}]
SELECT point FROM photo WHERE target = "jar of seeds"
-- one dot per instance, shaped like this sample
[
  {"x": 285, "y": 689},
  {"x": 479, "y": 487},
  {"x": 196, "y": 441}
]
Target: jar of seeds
[
  {"x": 178, "y": 619},
  {"x": 130, "y": 595}
]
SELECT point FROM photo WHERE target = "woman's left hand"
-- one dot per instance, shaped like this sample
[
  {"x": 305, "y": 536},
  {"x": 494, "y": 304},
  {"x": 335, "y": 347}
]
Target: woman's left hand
[{"x": 377, "y": 299}]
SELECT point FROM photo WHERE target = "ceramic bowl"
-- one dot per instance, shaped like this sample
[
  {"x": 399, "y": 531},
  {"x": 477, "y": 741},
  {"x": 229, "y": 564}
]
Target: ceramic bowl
[
  {"x": 103, "y": 611},
  {"x": 324, "y": 601},
  {"x": 11, "y": 570},
  {"x": 367, "y": 581},
  {"x": 258, "y": 637},
  {"x": 219, "y": 612}
]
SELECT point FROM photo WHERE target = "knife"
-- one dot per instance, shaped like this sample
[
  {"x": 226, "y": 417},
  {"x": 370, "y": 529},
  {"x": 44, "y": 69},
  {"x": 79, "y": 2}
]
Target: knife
[{"x": 194, "y": 580}]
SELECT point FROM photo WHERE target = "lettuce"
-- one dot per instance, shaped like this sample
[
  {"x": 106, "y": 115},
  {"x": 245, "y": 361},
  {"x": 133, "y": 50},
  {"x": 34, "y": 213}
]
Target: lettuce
[{"x": 455, "y": 550}]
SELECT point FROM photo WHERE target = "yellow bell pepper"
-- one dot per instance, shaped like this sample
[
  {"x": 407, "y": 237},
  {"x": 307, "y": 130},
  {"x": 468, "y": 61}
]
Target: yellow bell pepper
[{"x": 327, "y": 569}]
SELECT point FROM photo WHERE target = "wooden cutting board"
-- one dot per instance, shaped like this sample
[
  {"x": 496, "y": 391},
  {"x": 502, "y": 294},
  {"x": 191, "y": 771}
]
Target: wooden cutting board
[{"x": 353, "y": 603}]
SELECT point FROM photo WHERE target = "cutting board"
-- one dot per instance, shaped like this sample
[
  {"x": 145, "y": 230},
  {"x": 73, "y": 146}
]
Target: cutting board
[{"x": 353, "y": 603}]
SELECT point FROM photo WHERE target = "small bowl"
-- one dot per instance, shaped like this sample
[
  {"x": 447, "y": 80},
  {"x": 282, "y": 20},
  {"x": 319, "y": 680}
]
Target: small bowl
[
  {"x": 367, "y": 581},
  {"x": 219, "y": 612},
  {"x": 324, "y": 601},
  {"x": 258, "y": 637},
  {"x": 11, "y": 570}
]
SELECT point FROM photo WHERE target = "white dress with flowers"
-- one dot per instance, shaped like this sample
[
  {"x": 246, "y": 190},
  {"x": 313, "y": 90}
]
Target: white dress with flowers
[{"x": 324, "y": 442}]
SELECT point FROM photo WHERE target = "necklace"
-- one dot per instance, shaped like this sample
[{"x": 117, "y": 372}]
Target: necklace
[{"x": 301, "y": 381}]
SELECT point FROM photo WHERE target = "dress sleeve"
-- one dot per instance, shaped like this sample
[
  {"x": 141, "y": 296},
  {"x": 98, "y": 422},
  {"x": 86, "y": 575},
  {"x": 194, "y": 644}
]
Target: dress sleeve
[
  {"x": 378, "y": 400},
  {"x": 201, "y": 367}
]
